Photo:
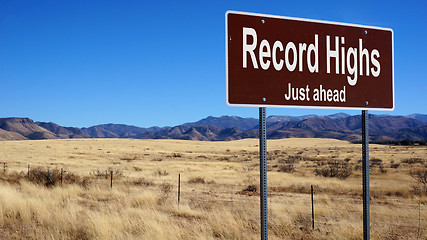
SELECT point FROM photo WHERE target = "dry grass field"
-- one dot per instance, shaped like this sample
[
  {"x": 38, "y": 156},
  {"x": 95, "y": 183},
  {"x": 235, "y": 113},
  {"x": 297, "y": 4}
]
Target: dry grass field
[{"x": 219, "y": 189}]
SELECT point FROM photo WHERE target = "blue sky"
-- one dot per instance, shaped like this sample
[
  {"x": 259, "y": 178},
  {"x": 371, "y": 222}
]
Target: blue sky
[{"x": 148, "y": 63}]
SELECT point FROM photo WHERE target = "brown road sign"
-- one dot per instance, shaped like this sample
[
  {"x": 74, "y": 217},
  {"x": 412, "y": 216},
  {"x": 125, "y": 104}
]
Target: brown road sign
[{"x": 274, "y": 61}]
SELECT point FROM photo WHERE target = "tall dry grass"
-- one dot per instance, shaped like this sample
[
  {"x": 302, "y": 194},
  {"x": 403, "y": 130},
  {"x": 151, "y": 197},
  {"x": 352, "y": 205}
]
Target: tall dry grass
[{"x": 143, "y": 201}]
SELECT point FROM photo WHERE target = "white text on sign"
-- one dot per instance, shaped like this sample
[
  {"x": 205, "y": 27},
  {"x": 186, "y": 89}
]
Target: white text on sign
[{"x": 350, "y": 61}]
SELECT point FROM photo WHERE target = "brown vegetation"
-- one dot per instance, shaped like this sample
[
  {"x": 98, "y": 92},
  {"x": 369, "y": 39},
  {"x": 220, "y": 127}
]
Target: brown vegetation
[{"x": 219, "y": 190}]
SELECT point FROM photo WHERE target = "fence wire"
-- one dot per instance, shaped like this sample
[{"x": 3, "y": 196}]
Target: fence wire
[{"x": 321, "y": 217}]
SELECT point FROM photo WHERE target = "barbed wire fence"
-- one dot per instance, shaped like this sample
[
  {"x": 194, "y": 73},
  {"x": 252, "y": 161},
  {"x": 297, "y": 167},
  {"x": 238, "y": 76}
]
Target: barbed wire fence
[{"x": 328, "y": 214}]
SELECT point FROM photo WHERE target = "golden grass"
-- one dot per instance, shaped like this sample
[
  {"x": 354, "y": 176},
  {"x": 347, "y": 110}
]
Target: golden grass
[{"x": 143, "y": 201}]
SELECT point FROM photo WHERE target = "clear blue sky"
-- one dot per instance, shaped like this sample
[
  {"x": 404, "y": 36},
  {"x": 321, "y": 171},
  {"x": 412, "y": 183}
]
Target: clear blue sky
[{"x": 147, "y": 63}]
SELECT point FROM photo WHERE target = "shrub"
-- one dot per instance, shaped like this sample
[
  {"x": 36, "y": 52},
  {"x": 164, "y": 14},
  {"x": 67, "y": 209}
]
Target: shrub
[
  {"x": 12, "y": 177},
  {"x": 287, "y": 168},
  {"x": 116, "y": 172},
  {"x": 137, "y": 169},
  {"x": 335, "y": 168},
  {"x": 419, "y": 190},
  {"x": 160, "y": 173},
  {"x": 70, "y": 178},
  {"x": 49, "y": 177},
  {"x": 413, "y": 160},
  {"x": 142, "y": 181},
  {"x": 106, "y": 173},
  {"x": 196, "y": 180},
  {"x": 419, "y": 175},
  {"x": 251, "y": 188},
  {"x": 382, "y": 170},
  {"x": 129, "y": 158},
  {"x": 394, "y": 165},
  {"x": 375, "y": 161},
  {"x": 165, "y": 189},
  {"x": 294, "y": 159},
  {"x": 85, "y": 182},
  {"x": 42, "y": 177},
  {"x": 303, "y": 221},
  {"x": 100, "y": 173}
]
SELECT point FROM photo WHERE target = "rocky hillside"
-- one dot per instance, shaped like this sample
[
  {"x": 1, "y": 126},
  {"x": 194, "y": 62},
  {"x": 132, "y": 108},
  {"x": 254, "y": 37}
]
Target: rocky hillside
[{"x": 339, "y": 126}]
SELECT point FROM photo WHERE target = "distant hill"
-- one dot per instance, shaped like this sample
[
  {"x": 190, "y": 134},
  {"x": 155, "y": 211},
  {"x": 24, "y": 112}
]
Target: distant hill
[
  {"x": 227, "y": 122},
  {"x": 23, "y": 128},
  {"x": 117, "y": 131},
  {"x": 275, "y": 118},
  {"x": 349, "y": 128},
  {"x": 7, "y": 135},
  {"x": 63, "y": 132},
  {"x": 421, "y": 117},
  {"x": 338, "y": 126}
]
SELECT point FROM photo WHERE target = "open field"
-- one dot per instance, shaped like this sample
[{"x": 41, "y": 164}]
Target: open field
[{"x": 218, "y": 180}]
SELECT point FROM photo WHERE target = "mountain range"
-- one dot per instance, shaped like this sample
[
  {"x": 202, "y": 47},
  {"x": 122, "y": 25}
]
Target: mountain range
[{"x": 382, "y": 128}]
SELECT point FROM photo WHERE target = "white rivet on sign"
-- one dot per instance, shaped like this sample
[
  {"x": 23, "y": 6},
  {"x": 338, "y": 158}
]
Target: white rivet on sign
[
  {"x": 366, "y": 102},
  {"x": 262, "y": 21},
  {"x": 366, "y": 32},
  {"x": 264, "y": 99}
]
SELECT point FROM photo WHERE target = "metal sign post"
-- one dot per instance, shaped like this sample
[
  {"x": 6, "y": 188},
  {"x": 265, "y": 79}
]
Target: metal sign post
[
  {"x": 263, "y": 172},
  {"x": 365, "y": 174}
]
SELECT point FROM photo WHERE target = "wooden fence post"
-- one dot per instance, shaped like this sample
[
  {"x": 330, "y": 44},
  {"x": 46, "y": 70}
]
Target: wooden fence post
[
  {"x": 111, "y": 183},
  {"x": 312, "y": 207},
  {"x": 179, "y": 188}
]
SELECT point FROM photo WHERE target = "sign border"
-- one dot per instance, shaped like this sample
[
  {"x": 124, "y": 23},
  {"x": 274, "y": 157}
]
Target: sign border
[{"x": 304, "y": 20}]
